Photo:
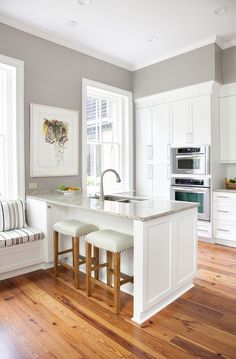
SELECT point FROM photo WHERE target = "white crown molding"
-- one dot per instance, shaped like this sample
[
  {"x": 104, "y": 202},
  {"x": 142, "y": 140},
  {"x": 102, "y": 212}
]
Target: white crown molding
[
  {"x": 60, "y": 41},
  {"x": 112, "y": 60}
]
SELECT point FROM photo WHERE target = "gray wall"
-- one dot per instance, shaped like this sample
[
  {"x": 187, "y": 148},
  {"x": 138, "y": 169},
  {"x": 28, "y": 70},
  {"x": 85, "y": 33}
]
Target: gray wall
[
  {"x": 53, "y": 76},
  {"x": 229, "y": 65},
  {"x": 218, "y": 64},
  {"x": 183, "y": 70}
]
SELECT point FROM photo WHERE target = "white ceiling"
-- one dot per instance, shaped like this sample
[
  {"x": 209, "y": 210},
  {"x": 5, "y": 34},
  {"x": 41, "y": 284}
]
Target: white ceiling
[{"x": 118, "y": 30}]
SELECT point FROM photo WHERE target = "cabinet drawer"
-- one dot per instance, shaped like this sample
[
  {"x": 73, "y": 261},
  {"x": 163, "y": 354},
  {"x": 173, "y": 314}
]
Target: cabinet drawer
[
  {"x": 223, "y": 230},
  {"x": 226, "y": 197},
  {"x": 204, "y": 229},
  {"x": 224, "y": 212}
]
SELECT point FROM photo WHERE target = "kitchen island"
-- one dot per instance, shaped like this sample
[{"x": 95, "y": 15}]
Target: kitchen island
[{"x": 163, "y": 260}]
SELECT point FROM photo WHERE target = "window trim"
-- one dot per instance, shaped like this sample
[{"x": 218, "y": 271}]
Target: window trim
[
  {"x": 20, "y": 126},
  {"x": 129, "y": 125}
]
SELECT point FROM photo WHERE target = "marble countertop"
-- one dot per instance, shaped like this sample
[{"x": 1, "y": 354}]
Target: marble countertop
[
  {"x": 145, "y": 210},
  {"x": 226, "y": 190}
]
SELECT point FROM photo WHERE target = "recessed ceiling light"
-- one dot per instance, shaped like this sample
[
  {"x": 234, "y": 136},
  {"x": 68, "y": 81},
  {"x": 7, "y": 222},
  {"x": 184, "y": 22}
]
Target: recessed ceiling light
[
  {"x": 72, "y": 23},
  {"x": 153, "y": 39},
  {"x": 84, "y": 2},
  {"x": 221, "y": 10}
]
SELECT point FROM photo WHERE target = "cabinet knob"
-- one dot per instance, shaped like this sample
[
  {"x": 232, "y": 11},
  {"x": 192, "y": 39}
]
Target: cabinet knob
[{"x": 49, "y": 207}]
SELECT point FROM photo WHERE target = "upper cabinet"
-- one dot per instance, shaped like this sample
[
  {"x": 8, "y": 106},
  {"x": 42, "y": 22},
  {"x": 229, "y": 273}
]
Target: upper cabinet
[
  {"x": 180, "y": 124},
  {"x": 191, "y": 122},
  {"x": 228, "y": 129}
]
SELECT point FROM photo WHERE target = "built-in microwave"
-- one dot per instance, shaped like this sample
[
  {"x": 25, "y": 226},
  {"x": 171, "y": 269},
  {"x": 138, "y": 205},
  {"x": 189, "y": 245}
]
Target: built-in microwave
[{"x": 191, "y": 160}]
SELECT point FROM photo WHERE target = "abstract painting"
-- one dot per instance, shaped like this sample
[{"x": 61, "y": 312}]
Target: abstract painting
[{"x": 54, "y": 141}]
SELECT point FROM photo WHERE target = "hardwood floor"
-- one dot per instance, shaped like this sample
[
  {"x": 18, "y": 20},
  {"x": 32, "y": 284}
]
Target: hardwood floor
[{"x": 43, "y": 317}]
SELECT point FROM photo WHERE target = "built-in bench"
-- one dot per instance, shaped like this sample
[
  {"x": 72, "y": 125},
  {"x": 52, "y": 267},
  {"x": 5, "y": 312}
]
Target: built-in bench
[{"x": 21, "y": 246}]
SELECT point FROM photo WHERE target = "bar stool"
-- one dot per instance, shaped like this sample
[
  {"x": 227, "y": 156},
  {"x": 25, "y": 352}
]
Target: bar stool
[
  {"x": 74, "y": 229},
  {"x": 113, "y": 243}
]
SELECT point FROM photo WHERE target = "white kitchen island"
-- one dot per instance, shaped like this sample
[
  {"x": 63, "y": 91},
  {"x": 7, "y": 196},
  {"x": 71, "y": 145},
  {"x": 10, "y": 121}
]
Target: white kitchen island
[{"x": 163, "y": 260}]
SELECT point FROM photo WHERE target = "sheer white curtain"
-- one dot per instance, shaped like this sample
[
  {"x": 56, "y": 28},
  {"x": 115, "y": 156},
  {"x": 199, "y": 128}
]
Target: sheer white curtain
[{"x": 9, "y": 174}]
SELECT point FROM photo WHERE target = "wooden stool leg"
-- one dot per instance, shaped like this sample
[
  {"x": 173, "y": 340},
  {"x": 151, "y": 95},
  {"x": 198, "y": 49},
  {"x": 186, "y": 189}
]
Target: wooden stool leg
[
  {"x": 72, "y": 240},
  {"x": 109, "y": 267},
  {"x": 117, "y": 282},
  {"x": 76, "y": 260},
  {"x": 96, "y": 262},
  {"x": 88, "y": 268},
  {"x": 55, "y": 240}
]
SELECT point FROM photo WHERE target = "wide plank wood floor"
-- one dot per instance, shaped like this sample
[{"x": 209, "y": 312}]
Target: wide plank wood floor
[{"x": 43, "y": 317}]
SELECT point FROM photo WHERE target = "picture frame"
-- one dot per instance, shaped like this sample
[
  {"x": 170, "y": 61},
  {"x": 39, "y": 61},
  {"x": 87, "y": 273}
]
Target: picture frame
[{"x": 54, "y": 141}]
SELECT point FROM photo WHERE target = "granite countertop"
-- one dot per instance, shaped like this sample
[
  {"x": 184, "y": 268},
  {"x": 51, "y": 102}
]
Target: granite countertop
[{"x": 145, "y": 210}]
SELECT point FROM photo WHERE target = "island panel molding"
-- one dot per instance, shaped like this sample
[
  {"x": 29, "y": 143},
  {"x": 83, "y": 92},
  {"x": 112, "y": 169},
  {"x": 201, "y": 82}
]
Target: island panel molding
[{"x": 54, "y": 141}]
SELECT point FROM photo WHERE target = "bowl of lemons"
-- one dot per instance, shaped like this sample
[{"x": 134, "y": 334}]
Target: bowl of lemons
[
  {"x": 230, "y": 183},
  {"x": 68, "y": 190}
]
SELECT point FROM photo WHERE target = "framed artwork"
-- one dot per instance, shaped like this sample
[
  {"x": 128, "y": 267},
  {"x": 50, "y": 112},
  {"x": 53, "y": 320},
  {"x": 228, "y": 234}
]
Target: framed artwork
[{"x": 54, "y": 141}]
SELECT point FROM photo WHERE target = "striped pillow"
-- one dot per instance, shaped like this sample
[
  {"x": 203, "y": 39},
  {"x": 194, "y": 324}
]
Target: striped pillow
[{"x": 12, "y": 215}]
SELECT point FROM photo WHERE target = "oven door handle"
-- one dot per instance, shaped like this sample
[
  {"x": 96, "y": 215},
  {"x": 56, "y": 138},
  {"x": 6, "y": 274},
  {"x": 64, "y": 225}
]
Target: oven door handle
[
  {"x": 190, "y": 156},
  {"x": 182, "y": 189}
]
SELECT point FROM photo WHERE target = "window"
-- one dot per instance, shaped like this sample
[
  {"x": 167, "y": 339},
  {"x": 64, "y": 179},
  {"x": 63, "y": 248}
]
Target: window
[
  {"x": 11, "y": 129},
  {"x": 108, "y": 132}
]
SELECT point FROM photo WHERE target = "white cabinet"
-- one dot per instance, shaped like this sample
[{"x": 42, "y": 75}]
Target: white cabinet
[
  {"x": 191, "y": 122},
  {"x": 153, "y": 151},
  {"x": 200, "y": 120},
  {"x": 228, "y": 129},
  {"x": 180, "y": 125},
  {"x": 224, "y": 218}
]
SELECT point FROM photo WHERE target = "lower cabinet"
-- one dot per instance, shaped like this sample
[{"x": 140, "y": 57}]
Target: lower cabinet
[{"x": 224, "y": 218}]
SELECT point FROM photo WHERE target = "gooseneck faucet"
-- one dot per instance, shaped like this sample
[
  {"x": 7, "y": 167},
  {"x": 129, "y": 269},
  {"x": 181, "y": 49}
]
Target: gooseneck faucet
[{"x": 101, "y": 183}]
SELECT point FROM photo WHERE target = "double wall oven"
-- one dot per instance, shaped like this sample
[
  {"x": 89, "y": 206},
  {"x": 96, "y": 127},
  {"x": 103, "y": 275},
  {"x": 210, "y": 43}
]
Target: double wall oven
[{"x": 190, "y": 180}]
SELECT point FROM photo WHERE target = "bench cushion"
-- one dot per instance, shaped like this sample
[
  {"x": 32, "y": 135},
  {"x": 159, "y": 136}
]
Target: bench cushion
[
  {"x": 19, "y": 236},
  {"x": 12, "y": 215}
]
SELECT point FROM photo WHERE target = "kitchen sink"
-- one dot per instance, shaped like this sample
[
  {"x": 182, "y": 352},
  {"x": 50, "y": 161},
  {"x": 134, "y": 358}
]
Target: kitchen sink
[{"x": 123, "y": 199}]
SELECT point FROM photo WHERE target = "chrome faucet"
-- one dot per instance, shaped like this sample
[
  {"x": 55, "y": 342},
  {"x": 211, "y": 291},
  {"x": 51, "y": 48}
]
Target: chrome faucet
[{"x": 101, "y": 184}]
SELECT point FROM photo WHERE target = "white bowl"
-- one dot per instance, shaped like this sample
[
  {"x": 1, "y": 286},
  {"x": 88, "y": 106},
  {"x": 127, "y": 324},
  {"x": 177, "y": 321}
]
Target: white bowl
[{"x": 68, "y": 193}]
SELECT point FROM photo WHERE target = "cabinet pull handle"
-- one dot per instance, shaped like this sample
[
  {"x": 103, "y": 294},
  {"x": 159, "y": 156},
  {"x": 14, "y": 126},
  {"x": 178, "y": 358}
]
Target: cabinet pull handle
[
  {"x": 149, "y": 152},
  {"x": 223, "y": 197},
  {"x": 223, "y": 230},
  {"x": 221, "y": 211},
  {"x": 202, "y": 230}
]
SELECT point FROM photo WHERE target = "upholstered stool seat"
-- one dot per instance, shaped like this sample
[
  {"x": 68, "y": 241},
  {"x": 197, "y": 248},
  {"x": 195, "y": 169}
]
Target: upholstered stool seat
[
  {"x": 110, "y": 240},
  {"x": 113, "y": 243},
  {"x": 74, "y": 229}
]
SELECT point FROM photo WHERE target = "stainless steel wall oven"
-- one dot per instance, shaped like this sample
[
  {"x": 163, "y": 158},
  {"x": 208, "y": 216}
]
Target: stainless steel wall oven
[{"x": 193, "y": 190}]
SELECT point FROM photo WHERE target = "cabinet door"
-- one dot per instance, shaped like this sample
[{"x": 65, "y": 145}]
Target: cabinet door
[
  {"x": 161, "y": 150},
  {"x": 144, "y": 179},
  {"x": 143, "y": 135},
  {"x": 200, "y": 123},
  {"x": 228, "y": 129},
  {"x": 180, "y": 130},
  {"x": 161, "y": 180},
  {"x": 161, "y": 133}
]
